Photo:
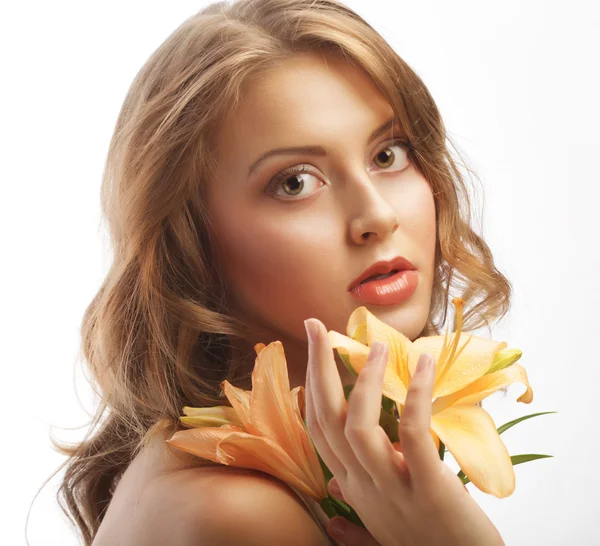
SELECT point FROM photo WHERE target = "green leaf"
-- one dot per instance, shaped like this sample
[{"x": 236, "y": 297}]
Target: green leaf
[
  {"x": 518, "y": 459},
  {"x": 515, "y": 459},
  {"x": 346, "y": 511},
  {"x": 328, "y": 507},
  {"x": 442, "y": 450},
  {"x": 389, "y": 423},
  {"x": 387, "y": 404},
  {"x": 347, "y": 391},
  {"x": 328, "y": 474},
  {"x": 506, "y": 426}
]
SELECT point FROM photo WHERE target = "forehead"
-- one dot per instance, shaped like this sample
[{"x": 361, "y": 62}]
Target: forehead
[{"x": 306, "y": 99}]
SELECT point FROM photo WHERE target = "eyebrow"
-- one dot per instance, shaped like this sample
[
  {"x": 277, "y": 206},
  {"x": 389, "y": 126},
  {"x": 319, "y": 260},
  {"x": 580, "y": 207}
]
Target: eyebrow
[{"x": 317, "y": 150}]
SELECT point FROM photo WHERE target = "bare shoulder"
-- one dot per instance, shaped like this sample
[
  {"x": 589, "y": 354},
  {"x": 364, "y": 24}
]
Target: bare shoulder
[
  {"x": 218, "y": 506},
  {"x": 240, "y": 507}
]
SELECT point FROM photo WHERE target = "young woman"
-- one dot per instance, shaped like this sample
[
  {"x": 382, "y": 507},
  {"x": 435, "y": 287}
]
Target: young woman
[{"x": 267, "y": 155}]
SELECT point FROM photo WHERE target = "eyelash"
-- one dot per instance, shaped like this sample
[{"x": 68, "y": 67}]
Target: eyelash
[{"x": 271, "y": 188}]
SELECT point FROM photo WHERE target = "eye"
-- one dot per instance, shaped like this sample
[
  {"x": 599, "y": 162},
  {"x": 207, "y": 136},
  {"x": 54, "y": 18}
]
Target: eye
[
  {"x": 293, "y": 182},
  {"x": 386, "y": 157}
]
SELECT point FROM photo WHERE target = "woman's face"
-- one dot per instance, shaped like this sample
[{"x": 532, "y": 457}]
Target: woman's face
[{"x": 290, "y": 244}]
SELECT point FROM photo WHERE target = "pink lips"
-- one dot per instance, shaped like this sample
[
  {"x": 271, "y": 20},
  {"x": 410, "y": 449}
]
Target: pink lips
[
  {"x": 390, "y": 290},
  {"x": 382, "y": 267}
]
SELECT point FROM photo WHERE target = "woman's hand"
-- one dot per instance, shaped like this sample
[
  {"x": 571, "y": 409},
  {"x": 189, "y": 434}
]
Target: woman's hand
[
  {"x": 405, "y": 496},
  {"x": 344, "y": 531}
]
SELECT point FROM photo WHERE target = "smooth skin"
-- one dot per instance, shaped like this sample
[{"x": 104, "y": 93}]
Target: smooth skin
[
  {"x": 289, "y": 252},
  {"x": 405, "y": 498}
]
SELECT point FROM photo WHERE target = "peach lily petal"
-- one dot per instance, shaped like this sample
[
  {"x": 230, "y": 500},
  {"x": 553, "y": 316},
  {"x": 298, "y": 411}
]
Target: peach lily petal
[
  {"x": 274, "y": 411},
  {"x": 236, "y": 448},
  {"x": 271, "y": 436},
  {"x": 463, "y": 379},
  {"x": 201, "y": 441},
  {"x": 486, "y": 385},
  {"x": 240, "y": 401},
  {"x": 470, "y": 435},
  {"x": 357, "y": 354},
  {"x": 366, "y": 328},
  {"x": 263, "y": 454},
  {"x": 475, "y": 356}
]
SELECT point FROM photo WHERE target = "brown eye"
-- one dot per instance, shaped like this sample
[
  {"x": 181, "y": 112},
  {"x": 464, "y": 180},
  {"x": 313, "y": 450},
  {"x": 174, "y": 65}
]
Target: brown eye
[
  {"x": 294, "y": 183},
  {"x": 394, "y": 154}
]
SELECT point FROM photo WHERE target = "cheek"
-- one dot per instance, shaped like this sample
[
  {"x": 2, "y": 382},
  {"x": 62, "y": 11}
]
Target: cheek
[
  {"x": 415, "y": 238},
  {"x": 279, "y": 266},
  {"x": 419, "y": 217},
  {"x": 412, "y": 199},
  {"x": 283, "y": 268},
  {"x": 422, "y": 225}
]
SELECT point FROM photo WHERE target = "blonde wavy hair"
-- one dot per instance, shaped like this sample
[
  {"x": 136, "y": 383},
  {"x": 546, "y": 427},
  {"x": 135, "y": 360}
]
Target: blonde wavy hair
[{"x": 157, "y": 335}]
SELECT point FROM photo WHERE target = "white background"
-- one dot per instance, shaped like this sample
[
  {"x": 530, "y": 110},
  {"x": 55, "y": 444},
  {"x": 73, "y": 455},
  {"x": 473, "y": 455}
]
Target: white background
[{"x": 518, "y": 85}]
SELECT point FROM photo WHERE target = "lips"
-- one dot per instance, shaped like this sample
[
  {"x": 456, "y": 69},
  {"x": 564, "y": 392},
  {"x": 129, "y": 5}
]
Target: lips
[{"x": 383, "y": 267}]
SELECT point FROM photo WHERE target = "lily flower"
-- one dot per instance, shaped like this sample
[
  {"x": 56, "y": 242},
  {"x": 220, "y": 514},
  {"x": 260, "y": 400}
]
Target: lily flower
[
  {"x": 468, "y": 369},
  {"x": 263, "y": 430}
]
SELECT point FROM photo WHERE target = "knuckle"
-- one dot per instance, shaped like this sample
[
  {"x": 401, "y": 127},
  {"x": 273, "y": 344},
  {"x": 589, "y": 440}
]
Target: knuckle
[
  {"x": 366, "y": 374},
  {"x": 327, "y": 420},
  {"x": 357, "y": 434},
  {"x": 417, "y": 387},
  {"x": 409, "y": 430}
]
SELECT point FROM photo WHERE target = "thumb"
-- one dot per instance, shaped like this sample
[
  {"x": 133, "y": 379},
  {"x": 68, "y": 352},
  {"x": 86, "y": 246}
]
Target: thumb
[
  {"x": 334, "y": 488},
  {"x": 349, "y": 534}
]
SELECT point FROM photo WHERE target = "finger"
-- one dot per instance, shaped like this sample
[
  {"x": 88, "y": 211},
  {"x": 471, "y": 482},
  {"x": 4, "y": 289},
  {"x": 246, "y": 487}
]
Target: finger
[
  {"x": 349, "y": 534},
  {"x": 315, "y": 432},
  {"x": 418, "y": 449},
  {"x": 364, "y": 404},
  {"x": 367, "y": 438},
  {"x": 329, "y": 406}
]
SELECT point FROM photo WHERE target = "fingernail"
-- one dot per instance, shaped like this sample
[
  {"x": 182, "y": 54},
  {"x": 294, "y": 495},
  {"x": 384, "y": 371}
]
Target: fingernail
[
  {"x": 337, "y": 527},
  {"x": 377, "y": 350},
  {"x": 312, "y": 330},
  {"x": 424, "y": 364}
]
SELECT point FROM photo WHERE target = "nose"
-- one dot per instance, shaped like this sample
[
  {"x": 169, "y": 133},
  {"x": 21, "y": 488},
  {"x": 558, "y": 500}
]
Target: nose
[{"x": 376, "y": 219}]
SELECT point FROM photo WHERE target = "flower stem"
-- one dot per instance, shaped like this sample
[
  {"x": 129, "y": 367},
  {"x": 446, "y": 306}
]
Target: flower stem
[
  {"x": 442, "y": 450},
  {"x": 335, "y": 507}
]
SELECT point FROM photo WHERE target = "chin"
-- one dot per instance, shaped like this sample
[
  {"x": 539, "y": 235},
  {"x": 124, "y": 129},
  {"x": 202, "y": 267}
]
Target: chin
[{"x": 409, "y": 317}]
